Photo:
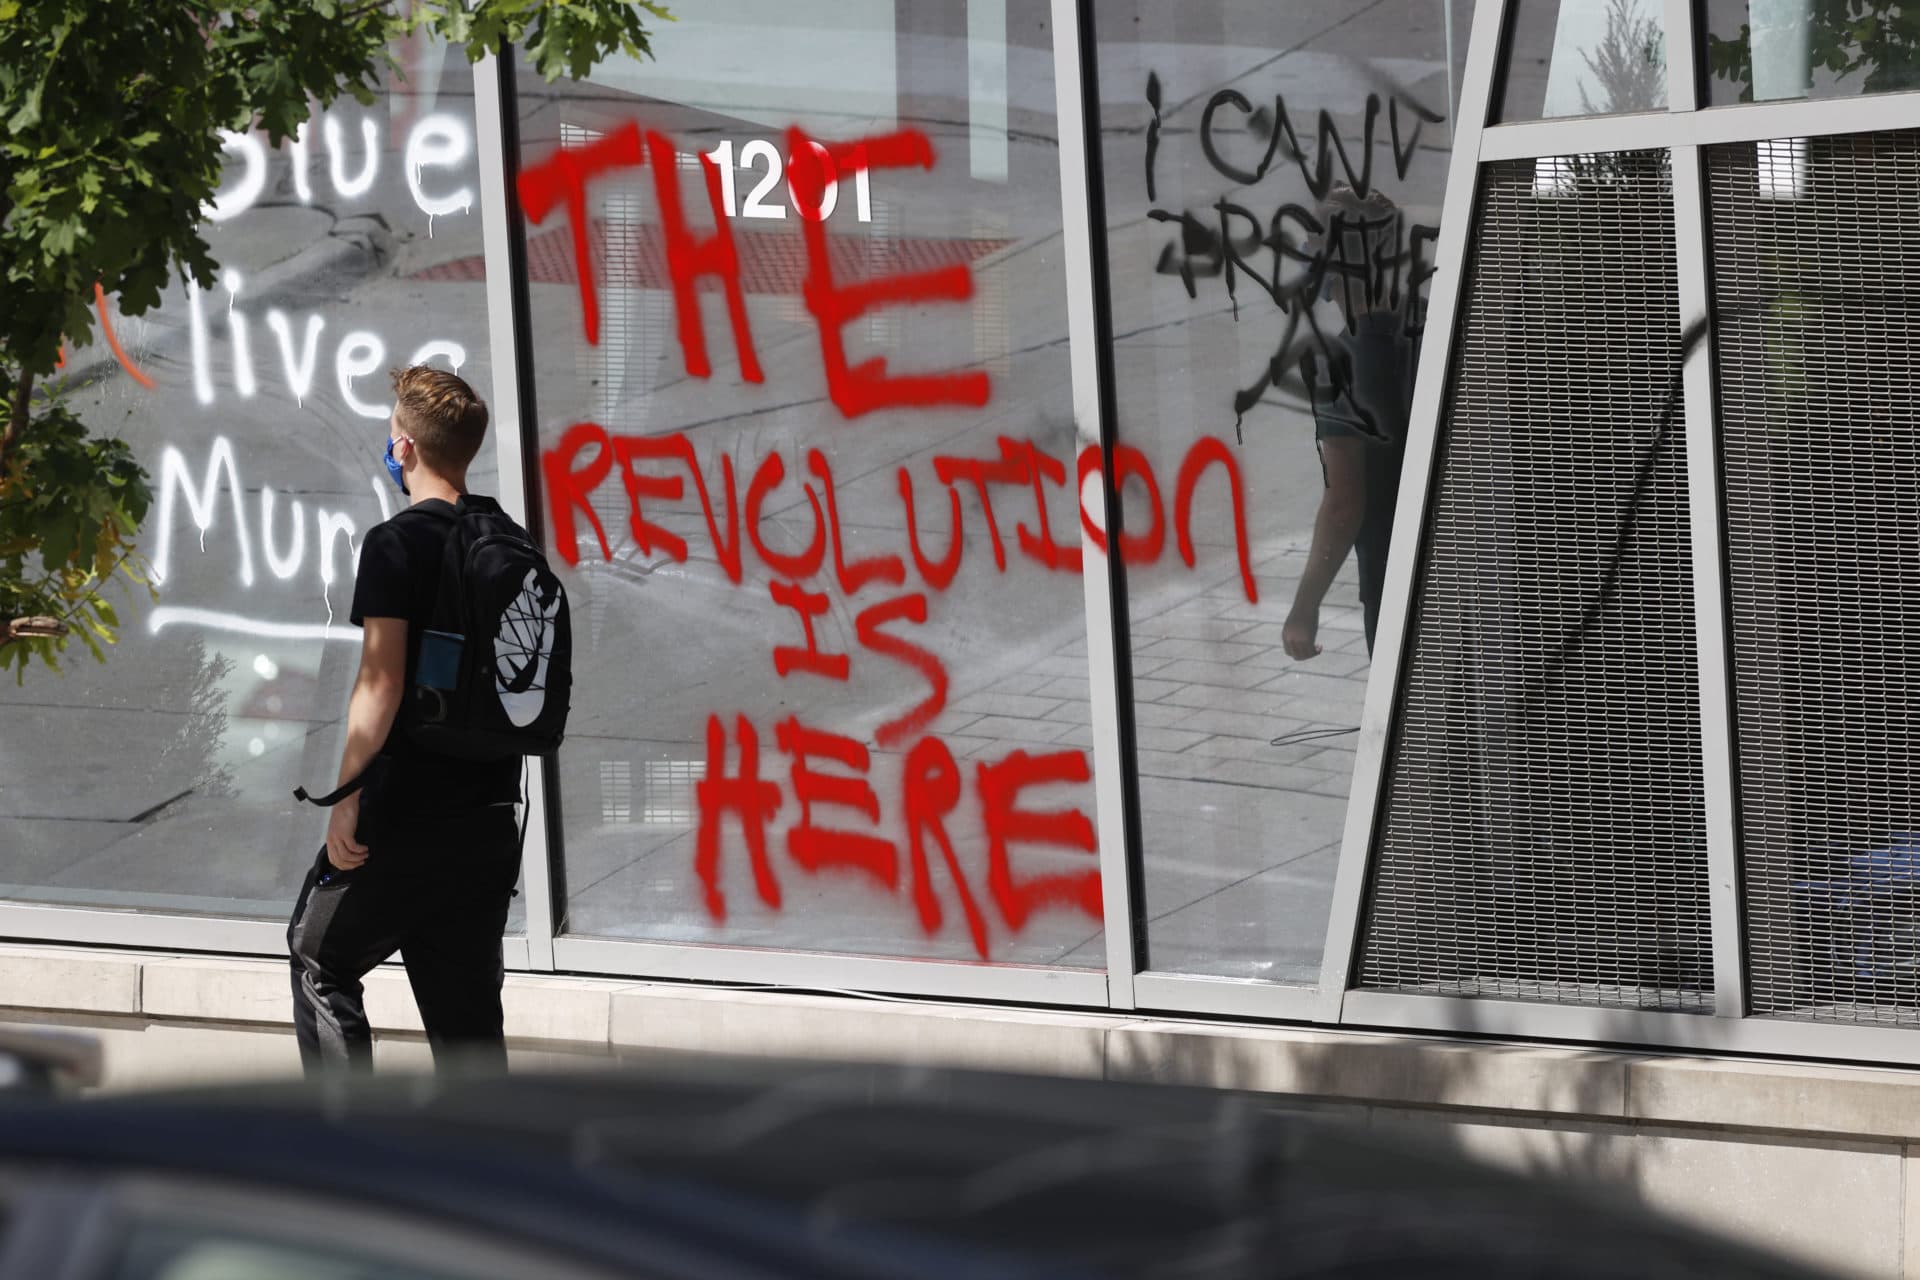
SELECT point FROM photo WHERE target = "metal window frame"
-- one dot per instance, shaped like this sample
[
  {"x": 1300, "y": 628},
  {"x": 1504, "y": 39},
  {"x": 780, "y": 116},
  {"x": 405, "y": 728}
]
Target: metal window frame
[
  {"x": 1104, "y": 592},
  {"x": 515, "y": 442},
  {"x": 1103, "y": 578},
  {"x": 969, "y": 981},
  {"x": 1684, "y": 129},
  {"x": 1713, "y": 655},
  {"x": 135, "y": 930},
  {"x": 1445, "y": 305},
  {"x": 175, "y": 930}
]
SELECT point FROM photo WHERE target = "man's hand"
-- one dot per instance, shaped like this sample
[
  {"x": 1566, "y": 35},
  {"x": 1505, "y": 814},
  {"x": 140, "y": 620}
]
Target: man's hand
[
  {"x": 343, "y": 851},
  {"x": 1299, "y": 635}
]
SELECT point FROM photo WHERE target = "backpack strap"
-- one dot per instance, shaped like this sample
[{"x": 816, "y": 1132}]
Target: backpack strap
[{"x": 340, "y": 792}]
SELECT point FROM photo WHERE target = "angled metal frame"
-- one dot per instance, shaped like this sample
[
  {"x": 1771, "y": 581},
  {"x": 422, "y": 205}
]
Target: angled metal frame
[
  {"x": 1445, "y": 302},
  {"x": 1684, "y": 129},
  {"x": 1713, "y": 658},
  {"x": 1748, "y": 122}
]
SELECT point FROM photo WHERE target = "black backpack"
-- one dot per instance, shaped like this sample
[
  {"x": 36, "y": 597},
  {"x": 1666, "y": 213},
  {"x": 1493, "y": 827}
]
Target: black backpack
[
  {"x": 495, "y": 671},
  {"x": 503, "y": 641}
]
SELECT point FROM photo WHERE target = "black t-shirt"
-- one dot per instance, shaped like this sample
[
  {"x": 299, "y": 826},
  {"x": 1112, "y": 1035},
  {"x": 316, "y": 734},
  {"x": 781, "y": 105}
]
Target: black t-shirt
[{"x": 399, "y": 577}]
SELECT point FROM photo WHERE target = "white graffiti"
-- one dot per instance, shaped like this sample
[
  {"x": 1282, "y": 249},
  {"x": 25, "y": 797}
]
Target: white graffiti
[
  {"x": 299, "y": 369},
  {"x": 297, "y": 157},
  {"x": 215, "y": 620},
  {"x": 349, "y": 188},
  {"x": 240, "y": 335},
  {"x": 455, "y": 353},
  {"x": 203, "y": 506},
  {"x": 282, "y": 569},
  {"x": 360, "y": 354},
  {"x": 253, "y": 178},
  {"x": 439, "y": 141}
]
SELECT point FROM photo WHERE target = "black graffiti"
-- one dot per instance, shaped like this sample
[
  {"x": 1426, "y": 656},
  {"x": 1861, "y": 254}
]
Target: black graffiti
[
  {"x": 1318, "y": 174},
  {"x": 1368, "y": 257},
  {"x": 1366, "y": 263},
  {"x": 1153, "y": 130}
]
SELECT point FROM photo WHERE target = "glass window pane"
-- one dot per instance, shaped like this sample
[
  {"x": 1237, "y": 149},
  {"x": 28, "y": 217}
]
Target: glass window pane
[
  {"x": 866, "y": 585},
  {"x": 1584, "y": 58},
  {"x": 162, "y": 779},
  {"x": 1767, "y": 50},
  {"x": 1274, "y": 184}
]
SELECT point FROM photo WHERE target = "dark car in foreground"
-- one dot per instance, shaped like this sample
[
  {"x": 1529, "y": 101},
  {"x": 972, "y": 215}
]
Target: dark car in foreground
[{"x": 709, "y": 1169}]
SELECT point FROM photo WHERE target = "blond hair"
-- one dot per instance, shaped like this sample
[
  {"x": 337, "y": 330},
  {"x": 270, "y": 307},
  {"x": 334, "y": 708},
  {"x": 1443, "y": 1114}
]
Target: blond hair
[{"x": 441, "y": 414}]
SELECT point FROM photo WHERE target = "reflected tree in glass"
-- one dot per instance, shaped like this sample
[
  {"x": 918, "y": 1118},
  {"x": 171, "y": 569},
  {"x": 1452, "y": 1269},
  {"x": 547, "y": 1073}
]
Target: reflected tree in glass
[
  {"x": 1859, "y": 46},
  {"x": 1629, "y": 65}
]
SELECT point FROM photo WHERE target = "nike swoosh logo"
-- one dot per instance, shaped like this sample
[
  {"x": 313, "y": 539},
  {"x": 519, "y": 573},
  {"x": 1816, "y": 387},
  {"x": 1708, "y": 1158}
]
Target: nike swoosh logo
[{"x": 527, "y": 629}]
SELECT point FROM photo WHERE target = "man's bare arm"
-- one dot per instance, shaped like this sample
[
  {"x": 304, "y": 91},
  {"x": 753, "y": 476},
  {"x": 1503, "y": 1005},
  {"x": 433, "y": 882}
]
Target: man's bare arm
[{"x": 377, "y": 690}]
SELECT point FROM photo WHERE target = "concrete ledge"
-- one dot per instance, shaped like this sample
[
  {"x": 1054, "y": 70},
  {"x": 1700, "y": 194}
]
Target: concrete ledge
[
  {"x": 706, "y": 1019},
  {"x": 1373, "y": 1068},
  {"x": 69, "y": 978},
  {"x": 144, "y": 994},
  {"x": 1822, "y": 1162},
  {"x": 1796, "y": 1098}
]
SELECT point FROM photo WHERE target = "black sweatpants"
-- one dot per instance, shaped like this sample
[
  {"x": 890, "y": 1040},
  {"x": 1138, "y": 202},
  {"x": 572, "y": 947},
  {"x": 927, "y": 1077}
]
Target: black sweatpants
[{"x": 434, "y": 889}]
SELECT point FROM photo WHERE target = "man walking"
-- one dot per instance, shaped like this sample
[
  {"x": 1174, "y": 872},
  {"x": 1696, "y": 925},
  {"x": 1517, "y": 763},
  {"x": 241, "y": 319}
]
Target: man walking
[{"x": 423, "y": 856}]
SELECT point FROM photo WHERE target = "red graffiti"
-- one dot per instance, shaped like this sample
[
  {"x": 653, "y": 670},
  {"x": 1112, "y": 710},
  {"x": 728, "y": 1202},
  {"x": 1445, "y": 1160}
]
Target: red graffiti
[
  {"x": 1020, "y": 464},
  {"x": 113, "y": 341},
  {"x": 1040, "y": 545},
  {"x": 1009, "y": 468},
  {"x": 867, "y": 386},
  {"x": 569, "y": 488},
  {"x": 809, "y": 605},
  {"x": 689, "y": 258},
  {"x": 1000, "y": 787},
  {"x": 1206, "y": 451},
  {"x": 853, "y": 576},
  {"x": 561, "y": 179},
  {"x": 832, "y": 777},
  {"x": 930, "y": 793},
  {"x": 628, "y": 449},
  {"x": 800, "y": 566},
  {"x": 815, "y": 848},
  {"x": 867, "y": 627},
  {"x": 754, "y": 800},
  {"x": 938, "y": 576}
]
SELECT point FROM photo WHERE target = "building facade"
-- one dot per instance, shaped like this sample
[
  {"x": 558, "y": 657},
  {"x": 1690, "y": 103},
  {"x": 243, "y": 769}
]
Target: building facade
[{"x": 951, "y": 419}]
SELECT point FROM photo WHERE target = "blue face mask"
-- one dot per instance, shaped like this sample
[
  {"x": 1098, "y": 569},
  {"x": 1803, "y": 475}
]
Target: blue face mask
[{"x": 394, "y": 469}]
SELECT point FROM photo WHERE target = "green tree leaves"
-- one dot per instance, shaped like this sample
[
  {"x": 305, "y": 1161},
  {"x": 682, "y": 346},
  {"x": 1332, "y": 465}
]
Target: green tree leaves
[{"x": 110, "y": 120}]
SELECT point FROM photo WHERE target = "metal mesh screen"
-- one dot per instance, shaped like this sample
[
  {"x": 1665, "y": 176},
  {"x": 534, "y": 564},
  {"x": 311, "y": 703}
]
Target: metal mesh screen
[
  {"x": 1816, "y": 251},
  {"x": 1543, "y": 835}
]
